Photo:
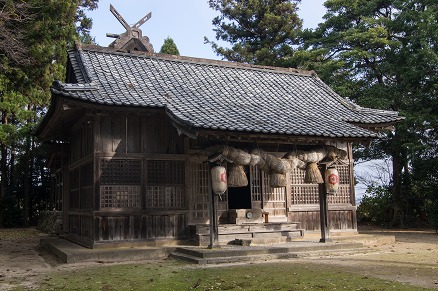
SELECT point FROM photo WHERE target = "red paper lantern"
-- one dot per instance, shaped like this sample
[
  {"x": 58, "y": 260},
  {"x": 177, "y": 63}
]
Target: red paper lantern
[{"x": 331, "y": 180}]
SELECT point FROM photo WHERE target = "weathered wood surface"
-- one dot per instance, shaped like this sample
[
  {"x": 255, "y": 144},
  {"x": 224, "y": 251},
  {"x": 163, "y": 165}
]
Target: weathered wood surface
[
  {"x": 338, "y": 219},
  {"x": 150, "y": 136},
  {"x": 125, "y": 133},
  {"x": 140, "y": 227},
  {"x": 81, "y": 225}
]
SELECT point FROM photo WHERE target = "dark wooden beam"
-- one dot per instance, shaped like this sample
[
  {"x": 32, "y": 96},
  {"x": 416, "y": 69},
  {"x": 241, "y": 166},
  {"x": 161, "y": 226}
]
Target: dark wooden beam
[
  {"x": 213, "y": 199},
  {"x": 323, "y": 210}
]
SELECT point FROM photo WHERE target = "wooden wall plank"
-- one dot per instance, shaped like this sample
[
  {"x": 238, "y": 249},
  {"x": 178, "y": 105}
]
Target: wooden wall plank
[
  {"x": 140, "y": 227},
  {"x": 105, "y": 138},
  {"x": 309, "y": 220},
  {"x": 134, "y": 134},
  {"x": 119, "y": 133}
]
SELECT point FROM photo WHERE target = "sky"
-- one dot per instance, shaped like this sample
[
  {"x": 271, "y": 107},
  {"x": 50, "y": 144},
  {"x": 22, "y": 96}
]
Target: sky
[{"x": 186, "y": 22}]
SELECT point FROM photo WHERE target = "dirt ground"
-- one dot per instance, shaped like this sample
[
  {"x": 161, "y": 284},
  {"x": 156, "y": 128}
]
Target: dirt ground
[{"x": 412, "y": 259}]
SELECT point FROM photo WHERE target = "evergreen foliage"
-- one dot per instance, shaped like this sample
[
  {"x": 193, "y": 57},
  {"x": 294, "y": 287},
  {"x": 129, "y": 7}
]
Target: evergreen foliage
[
  {"x": 376, "y": 206},
  {"x": 260, "y": 32},
  {"x": 380, "y": 54},
  {"x": 169, "y": 47},
  {"x": 383, "y": 54},
  {"x": 34, "y": 37}
]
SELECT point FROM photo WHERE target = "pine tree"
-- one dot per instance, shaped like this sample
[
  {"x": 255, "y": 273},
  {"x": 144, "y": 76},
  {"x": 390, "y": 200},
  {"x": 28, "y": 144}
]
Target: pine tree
[
  {"x": 383, "y": 54},
  {"x": 260, "y": 31},
  {"x": 169, "y": 47},
  {"x": 39, "y": 33}
]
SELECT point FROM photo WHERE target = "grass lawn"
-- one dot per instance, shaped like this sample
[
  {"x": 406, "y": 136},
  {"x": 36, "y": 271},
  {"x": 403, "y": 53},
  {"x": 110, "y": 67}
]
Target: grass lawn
[{"x": 175, "y": 275}]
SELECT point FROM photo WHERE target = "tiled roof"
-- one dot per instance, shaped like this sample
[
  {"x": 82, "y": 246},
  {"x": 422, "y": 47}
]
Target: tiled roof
[{"x": 206, "y": 94}]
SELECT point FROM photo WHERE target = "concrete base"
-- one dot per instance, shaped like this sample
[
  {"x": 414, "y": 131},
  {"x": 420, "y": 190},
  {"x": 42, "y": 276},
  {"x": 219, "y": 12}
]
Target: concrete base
[{"x": 69, "y": 252}]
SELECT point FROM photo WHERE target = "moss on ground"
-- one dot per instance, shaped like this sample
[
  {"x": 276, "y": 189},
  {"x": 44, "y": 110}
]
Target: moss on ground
[{"x": 174, "y": 275}]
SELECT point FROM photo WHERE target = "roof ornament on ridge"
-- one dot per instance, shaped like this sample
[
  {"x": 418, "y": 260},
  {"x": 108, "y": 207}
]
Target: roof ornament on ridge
[{"x": 132, "y": 39}]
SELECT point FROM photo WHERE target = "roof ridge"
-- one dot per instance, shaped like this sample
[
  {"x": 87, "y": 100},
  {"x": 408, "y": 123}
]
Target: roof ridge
[
  {"x": 108, "y": 50},
  {"x": 80, "y": 62}
]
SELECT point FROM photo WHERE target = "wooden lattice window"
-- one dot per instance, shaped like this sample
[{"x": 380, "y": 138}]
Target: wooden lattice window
[
  {"x": 297, "y": 176},
  {"x": 256, "y": 183},
  {"x": 344, "y": 193},
  {"x": 342, "y": 196},
  {"x": 200, "y": 200},
  {"x": 344, "y": 174},
  {"x": 120, "y": 183},
  {"x": 274, "y": 199},
  {"x": 120, "y": 172},
  {"x": 199, "y": 191},
  {"x": 121, "y": 196},
  {"x": 303, "y": 193},
  {"x": 165, "y": 184},
  {"x": 270, "y": 193}
]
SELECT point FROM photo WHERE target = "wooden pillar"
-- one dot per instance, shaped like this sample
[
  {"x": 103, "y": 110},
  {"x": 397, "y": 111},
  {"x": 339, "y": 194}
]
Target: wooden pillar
[
  {"x": 351, "y": 182},
  {"x": 323, "y": 210},
  {"x": 65, "y": 198},
  {"x": 213, "y": 199}
]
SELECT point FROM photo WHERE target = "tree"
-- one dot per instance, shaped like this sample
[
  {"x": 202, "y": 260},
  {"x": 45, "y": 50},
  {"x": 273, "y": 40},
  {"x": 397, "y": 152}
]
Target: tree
[
  {"x": 383, "y": 54},
  {"x": 12, "y": 15},
  {"x": 169, "y": 47},
  {"x": 260, "y": 31},
  {"x": 380, "y": 53},
  {"x": 34, "y": 39}
]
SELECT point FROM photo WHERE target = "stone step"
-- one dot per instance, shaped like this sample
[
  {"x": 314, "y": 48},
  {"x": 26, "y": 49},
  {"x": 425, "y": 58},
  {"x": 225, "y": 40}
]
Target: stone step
[
  {"x": 240, "y": 228},
  {"x": 228, "y": 233},
  {"x": 257, "y": 237},
  {"x": 244, "y": 253},
  {"x": 69, "y": 252},
  {"x": 233, "y": 259}
]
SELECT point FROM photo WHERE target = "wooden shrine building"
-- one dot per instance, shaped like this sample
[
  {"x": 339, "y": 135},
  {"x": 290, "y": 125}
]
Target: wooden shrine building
[{"x": 132, "y": 134}]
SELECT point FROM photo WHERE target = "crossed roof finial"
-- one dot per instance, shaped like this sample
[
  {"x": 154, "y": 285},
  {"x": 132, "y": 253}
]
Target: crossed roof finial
[{"x": 132, "y": 38}]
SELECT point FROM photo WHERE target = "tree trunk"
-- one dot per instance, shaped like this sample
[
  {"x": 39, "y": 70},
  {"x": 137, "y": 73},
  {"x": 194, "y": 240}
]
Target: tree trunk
[
  {"x": 4, "y": 178},
  {"x": 399, "y": 160},
  {"x": 397, "y": 219},
  {"x": 12, "y": 181},
  {"x": 26, "y": 182},
  {"x": 3, "y": 169}
]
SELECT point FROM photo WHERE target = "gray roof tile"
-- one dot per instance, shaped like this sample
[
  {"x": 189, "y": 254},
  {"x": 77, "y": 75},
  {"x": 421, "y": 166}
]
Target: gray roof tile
[{"x": 219, "y": 95}]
